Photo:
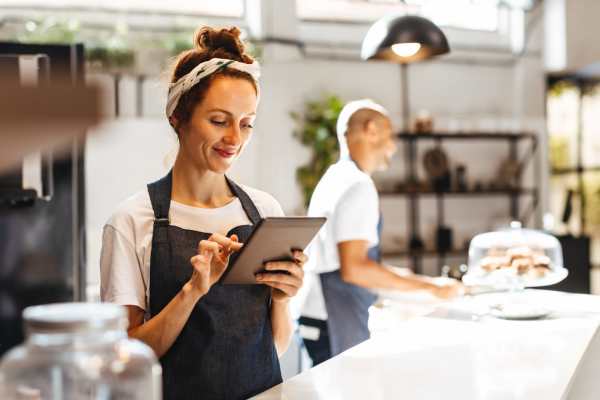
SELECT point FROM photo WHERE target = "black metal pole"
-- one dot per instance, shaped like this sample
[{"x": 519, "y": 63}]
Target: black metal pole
[
  {"x": 405, "y": 98},
  {"x": 139, "y": 83},
  {"x": 580, "y": 180},
  {"x": 117, "y": 82},
  {"x": 514, "y": 191},
  {"x": 411, "y": 155}
]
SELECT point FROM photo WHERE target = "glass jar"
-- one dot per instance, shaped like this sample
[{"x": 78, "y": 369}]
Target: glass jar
[{"x": 79, "y": 351}]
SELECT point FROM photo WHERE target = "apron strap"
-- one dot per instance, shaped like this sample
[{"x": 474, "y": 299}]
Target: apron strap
[
  {"x": 375, "y": 251},
  {"x": 247, "y": 203},
  {"x": 160, "y": 197}
]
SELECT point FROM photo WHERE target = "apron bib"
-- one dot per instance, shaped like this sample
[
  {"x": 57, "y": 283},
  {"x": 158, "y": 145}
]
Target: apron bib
[
  {"x": 347, "y": 306},
  {"x": 226, "y": 349}
]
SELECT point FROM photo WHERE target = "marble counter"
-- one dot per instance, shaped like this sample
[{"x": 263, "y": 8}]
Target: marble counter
[{"x": 458, "y": 351}]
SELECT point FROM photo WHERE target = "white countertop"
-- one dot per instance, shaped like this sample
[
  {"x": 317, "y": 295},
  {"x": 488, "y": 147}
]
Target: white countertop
[{"x": 458, "y": 352}]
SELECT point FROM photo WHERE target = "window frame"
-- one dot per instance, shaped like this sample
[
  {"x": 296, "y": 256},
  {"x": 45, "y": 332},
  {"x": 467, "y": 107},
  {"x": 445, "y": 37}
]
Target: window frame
[
  {"x": 409, "y": 9},
  {"x": 133, "y": 9}
]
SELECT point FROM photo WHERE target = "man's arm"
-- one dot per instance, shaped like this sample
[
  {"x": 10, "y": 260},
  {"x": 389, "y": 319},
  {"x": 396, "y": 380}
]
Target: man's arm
[{"x": 356, "y": 268}]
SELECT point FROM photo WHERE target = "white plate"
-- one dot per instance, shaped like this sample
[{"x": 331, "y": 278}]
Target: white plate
[
  {"x": 518, "y": 311},
  {"x": 499, "y": 279},
  {"x": 551, "y": 278}
]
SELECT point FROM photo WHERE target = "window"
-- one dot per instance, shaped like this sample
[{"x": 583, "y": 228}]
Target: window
[
  {"x": 572, "y": 115},
  {"x": 221, "y": 8},
  {"x": 468, "y": 14}
]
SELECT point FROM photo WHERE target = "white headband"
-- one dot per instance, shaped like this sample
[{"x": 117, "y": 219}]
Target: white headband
[
  {"x": 201, "y": 71},
  {"x": 344, "y": 118}
]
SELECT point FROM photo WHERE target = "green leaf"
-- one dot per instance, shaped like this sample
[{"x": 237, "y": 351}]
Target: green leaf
[{"x": 316, "y": 130}]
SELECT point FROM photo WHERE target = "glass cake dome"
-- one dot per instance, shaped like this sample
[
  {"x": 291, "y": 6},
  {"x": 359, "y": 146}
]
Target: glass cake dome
[{"x": 515, "y": 257}]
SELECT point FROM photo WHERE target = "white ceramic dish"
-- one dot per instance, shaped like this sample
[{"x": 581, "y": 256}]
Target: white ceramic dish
[
  {"x": 502, "y": 279},
  {"x": 519, "y": 311}
]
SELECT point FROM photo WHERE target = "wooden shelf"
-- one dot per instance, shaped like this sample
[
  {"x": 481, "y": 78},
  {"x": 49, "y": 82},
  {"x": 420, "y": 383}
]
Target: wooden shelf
[
  {"x": 499, "y": 192},
  {"x": 424, "y": 253},
  {"x": 467, "y": 136}
]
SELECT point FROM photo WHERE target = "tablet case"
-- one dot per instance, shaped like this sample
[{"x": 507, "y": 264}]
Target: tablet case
[{"x": 272, "y": 239}]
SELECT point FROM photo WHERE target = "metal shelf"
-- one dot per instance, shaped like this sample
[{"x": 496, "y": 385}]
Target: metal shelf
[
  {"x": 410, "y": 141},
  {"x": 425, "y": 253},
  {"x": 499, "y": 192},
  {"x": 467, "y": 136}
]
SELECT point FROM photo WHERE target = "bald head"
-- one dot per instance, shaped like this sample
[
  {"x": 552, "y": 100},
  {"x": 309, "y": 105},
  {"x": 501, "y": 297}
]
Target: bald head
[
  {"x": 344, "y": 119},
  {"x": 359, "y": 121},
  {"x": 368, "y": 137}
]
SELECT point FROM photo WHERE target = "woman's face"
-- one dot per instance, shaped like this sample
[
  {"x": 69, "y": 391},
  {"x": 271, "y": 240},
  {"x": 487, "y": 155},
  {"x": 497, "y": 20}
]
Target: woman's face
[{"x": 220, "y": 125}]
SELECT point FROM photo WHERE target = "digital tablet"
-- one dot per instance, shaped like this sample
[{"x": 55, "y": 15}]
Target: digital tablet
[{"x": 271, "y": 240}]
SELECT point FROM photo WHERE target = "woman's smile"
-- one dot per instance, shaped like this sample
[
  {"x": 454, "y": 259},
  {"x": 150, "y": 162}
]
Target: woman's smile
[{"x": 225, "y": 153}]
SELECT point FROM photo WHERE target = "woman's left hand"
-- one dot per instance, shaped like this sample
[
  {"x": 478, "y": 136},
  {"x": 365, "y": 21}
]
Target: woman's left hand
[{"x": 286, "y": 284}]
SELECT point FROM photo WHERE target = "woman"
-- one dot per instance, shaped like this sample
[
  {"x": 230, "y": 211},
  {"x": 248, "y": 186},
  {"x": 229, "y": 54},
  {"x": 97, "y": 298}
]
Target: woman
[{"x": 165, "y": 249}]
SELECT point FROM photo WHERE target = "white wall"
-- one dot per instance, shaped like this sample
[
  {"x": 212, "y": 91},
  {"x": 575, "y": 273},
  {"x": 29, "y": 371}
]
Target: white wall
[
  {"x": 583, "y": 47},
  {"x": 572, "y": 31}
]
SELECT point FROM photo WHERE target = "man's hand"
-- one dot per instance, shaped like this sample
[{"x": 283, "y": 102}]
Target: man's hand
[{"x": 449, "y": 290}]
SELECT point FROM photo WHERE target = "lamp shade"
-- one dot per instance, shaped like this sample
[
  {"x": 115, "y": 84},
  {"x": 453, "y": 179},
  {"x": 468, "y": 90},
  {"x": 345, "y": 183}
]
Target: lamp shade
[{"x": 404, "y": 39}]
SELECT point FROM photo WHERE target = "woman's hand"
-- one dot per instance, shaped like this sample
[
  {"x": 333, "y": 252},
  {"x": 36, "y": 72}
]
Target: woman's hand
[
  {"x": 284, "y": 285},
  {"x": 211, "y": 261}
]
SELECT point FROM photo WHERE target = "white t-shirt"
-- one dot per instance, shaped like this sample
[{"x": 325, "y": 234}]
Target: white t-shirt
[
  {"x": 127, "y": 240},
  {"x": 347, "y": 197}
]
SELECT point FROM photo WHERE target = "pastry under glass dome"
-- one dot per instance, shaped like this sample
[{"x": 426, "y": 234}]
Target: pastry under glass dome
[{"x": 515, "y": 257}]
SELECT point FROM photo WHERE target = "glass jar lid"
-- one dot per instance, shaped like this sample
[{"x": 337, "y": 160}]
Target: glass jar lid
[{"x": 74, "y": 317}]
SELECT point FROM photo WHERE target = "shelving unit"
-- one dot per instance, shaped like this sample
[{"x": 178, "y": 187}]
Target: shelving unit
[
  {"x": 410, "y": 142},
  {"x": 426, "y": 253},
  {"x": 495, "y": 192}
]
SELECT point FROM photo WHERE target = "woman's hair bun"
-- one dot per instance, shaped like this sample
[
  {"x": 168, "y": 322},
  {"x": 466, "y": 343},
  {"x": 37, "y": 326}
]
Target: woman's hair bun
[{"x": 225, "y": 41}]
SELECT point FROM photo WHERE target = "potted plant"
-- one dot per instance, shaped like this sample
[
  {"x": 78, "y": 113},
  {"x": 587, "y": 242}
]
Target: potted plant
[{"x": 316, "y": 128}]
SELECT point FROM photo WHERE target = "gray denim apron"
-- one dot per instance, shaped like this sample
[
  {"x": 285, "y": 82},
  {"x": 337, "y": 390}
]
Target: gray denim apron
[
  {"x": 226, "y": 348},
  {"x": 347, "y": 306}
]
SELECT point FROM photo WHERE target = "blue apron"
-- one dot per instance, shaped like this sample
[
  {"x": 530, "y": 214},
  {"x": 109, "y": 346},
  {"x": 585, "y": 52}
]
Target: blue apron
[
  {"x": 226, "y": 349},
  {"x": 347, "y": 306}
]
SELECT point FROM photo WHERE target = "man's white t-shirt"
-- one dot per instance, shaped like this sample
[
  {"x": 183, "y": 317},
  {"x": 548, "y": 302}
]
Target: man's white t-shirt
[
  {"x": 127, "y": 240},
  {"x": 347, "y": 197}
]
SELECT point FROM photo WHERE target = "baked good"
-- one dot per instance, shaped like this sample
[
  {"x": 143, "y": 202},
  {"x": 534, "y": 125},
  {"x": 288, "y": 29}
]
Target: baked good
[{"x": 522, "y": 260}]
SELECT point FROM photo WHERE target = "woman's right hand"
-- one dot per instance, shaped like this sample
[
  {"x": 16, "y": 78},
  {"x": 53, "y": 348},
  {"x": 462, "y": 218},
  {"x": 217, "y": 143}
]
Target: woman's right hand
[{"x": 211, "y": 261}]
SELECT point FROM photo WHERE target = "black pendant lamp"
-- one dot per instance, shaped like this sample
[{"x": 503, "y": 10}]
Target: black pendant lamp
[{"x": 404, "y": 39}]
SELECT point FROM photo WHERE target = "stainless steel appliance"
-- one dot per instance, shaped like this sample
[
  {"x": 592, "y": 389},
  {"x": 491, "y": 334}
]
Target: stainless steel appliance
[{"x": 41, "y": 201}]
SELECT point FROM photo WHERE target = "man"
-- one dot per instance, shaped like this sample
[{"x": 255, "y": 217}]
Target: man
[{"x": 344, "y": 258}]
